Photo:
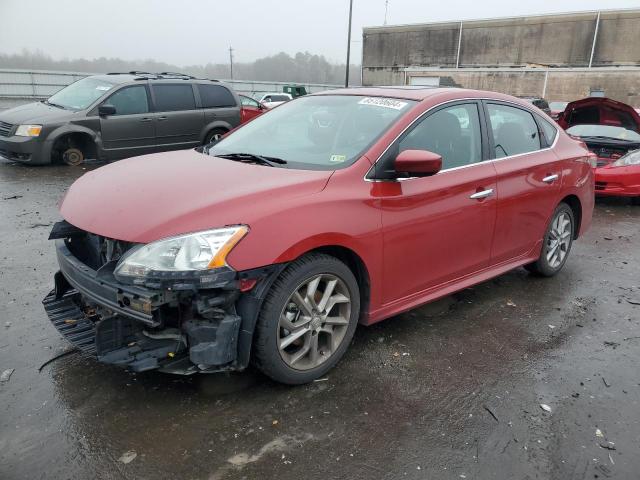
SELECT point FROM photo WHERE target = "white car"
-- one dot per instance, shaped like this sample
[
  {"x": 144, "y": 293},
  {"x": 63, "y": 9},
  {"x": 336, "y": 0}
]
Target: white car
[{"x": 271, "y": 100}]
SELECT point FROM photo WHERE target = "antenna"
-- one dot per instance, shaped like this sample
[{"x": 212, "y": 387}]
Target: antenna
[{"x": 386, "y": 10}]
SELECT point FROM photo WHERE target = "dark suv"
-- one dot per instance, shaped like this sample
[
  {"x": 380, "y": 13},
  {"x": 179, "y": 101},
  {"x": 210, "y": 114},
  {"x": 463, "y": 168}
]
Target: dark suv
[{"x": 119, "y": 115}]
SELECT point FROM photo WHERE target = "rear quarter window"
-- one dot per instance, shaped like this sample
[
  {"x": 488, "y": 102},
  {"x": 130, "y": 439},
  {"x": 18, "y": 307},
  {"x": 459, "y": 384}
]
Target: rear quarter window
[
  {"x": 171, "y": 98},
  {"x": 549, "y": 131},
  {"x": 215, "y": 96}
]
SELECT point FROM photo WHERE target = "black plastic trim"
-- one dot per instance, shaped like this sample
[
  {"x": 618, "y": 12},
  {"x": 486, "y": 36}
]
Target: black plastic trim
[{"x": 105, "y": 291}]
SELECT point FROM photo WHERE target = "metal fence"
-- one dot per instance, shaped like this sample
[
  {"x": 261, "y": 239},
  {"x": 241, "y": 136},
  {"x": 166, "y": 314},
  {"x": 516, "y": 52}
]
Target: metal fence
[{"x": 21, "y": 86}]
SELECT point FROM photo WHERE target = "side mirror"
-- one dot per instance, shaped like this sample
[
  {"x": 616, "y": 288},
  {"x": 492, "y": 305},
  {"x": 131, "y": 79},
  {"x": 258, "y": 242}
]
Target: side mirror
[
  {"x": 421, "y": 162},
  {"x": 106, "y": 110}
]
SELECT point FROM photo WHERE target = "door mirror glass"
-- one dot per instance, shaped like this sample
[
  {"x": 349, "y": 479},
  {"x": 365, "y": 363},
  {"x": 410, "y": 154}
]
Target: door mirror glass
[
  {"x": 420, "y": 162},
  {"x": 106, "y": 109}
]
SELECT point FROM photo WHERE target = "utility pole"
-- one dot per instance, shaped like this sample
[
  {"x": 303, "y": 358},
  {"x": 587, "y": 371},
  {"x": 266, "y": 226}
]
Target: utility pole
[
  {"x": 386, "y": 10},
  {"x": 231, "y": 60},
  {"x": 346, "y": 78}
]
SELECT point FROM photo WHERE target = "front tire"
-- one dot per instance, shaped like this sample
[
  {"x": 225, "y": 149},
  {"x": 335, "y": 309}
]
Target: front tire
[
  {"x": 558, "y": 240},
  {"x": 307, "y": 320}
]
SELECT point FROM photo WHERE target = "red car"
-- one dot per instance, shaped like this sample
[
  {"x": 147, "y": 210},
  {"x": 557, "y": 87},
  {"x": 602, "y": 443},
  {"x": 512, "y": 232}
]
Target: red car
[
  {"x": 250, "y": 108},
  {"x": 556, "y": 109},
  {"x": 611, "y": 130},
  {"x": 339, "y": 208}
]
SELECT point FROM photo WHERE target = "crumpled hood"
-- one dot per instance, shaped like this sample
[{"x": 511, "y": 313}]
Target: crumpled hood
[
  {"x": 146, "y": 198},
  {"x": 34, "y": 113}
]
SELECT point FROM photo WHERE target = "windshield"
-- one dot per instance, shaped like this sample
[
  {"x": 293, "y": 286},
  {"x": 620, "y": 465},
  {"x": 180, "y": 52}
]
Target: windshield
[
  {"x": 609, "y": 131},
  {"x": 323, "y": 132},
  {"x": 81, "y": 94},
  {"x": 558, "y": 105}
]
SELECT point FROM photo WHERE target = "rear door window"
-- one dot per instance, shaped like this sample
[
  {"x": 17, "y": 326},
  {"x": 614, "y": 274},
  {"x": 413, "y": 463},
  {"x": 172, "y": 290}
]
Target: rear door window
[
  {"x": 172, "y": 97},
  {"x": 514, "y": 130},
  {"x": 130, "y": 100},
  {"x": 213, "y": 96}
]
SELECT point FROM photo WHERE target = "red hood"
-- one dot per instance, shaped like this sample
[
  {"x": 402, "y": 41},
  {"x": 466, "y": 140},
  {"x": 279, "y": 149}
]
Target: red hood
[
  {"x": 610, "y": 112},
  {"x": 146, "y": 198}
]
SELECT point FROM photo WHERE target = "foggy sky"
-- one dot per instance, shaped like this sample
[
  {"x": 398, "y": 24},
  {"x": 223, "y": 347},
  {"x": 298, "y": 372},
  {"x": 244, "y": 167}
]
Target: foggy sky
[{"x": 185, "y": 32}]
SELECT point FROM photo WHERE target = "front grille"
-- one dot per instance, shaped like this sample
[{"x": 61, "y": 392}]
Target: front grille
[
  {"x": 5, "y": 129},
  {"x": 96, "y": 251}
]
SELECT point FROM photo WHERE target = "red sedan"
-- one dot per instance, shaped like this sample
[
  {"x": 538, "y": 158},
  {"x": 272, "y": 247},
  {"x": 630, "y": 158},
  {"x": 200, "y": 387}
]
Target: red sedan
[
  {"x": 250, "y": 108},
  {"x": 611, "y": 130},
  {"x": 334, "y": 209}
]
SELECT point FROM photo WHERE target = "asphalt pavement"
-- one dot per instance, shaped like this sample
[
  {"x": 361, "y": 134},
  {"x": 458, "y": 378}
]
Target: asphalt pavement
[{"x": 517, "y": 378}]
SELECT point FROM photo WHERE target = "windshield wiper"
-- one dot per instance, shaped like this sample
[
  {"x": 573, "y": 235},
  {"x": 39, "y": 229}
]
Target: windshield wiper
[
  {"x": 47, "y": 102},
  {"x": 252, "y": 157}
]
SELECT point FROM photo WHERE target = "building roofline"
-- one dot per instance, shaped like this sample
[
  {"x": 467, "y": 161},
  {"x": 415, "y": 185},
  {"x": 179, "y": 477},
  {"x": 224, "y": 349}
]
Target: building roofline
[
  {"x": 418, "y": 69},
  {"x": 494, "y": 19}
]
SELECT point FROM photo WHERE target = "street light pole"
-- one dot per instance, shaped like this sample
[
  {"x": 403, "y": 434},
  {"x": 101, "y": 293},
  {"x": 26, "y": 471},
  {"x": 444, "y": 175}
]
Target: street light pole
[
  {"x": 346, "y": 77},
  {"x": 231, "y": 61}
]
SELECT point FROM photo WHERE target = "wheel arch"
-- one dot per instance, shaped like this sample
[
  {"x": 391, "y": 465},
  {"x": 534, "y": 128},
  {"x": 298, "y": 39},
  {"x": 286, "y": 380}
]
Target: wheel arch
[
  {"x": 250, "y": 304},
  {"x": 576, "y": 207},
  {"x": 212, "y": 126},
  {"x": 87, "y": 139}
]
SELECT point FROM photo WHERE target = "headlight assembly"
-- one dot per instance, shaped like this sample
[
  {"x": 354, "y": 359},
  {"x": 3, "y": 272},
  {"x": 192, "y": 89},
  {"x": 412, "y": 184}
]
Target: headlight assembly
[
  {"x": 631, "y": 158},
  {"x": 194, "y": 252},
  {"x": 28, "y": 130}
]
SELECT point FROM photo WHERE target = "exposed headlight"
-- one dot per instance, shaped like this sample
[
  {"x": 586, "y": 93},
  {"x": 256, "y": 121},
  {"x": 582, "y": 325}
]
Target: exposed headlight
[
  {"x": 631, "y": 158},
  {"x": 192, "y": 252},
  {"x": 28, "y": 130}
]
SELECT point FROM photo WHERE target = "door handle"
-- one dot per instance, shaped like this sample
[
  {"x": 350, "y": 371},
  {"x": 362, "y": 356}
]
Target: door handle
[
  {"x": 146, "y": 119},
  {"x": 550, "y": 178},
  {"x": 482, "y": 194},
  {"x": 162, "y": 118}
]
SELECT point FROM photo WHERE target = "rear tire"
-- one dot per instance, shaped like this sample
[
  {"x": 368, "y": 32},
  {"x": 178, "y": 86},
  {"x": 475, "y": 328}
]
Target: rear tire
[
  {"x": 307, "y": 320},
  {"x": 214, "y": 136},
  {"x": 557, "y": 243}
]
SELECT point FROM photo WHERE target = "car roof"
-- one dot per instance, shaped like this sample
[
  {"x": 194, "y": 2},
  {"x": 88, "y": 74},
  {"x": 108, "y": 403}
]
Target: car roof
[
  {"x": 420, "y": 93},
  {"x": 119, "y": 78}
]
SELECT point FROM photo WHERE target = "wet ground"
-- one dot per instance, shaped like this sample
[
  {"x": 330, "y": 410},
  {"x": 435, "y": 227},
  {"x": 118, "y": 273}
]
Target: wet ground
[{"x": 450, "y": 390}]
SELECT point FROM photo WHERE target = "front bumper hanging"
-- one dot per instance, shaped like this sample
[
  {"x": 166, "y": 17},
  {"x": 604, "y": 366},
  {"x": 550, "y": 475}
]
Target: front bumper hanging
[{"x": 178, "y": 331}]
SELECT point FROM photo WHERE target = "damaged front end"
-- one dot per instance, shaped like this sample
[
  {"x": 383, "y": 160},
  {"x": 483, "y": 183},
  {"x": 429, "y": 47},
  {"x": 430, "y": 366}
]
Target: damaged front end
[{"x": 185, "y": 322}]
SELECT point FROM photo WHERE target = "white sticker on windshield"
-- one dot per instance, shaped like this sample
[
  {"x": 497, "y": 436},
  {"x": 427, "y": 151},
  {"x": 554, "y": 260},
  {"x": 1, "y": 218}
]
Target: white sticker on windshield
[
  {"x": 383, "y": 102},
  {"x": 103, "y": 88}
]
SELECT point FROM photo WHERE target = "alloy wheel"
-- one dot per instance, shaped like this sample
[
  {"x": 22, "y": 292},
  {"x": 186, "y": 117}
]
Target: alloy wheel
[
  {"x": 559, "y": 240},
  {"x": 314, "y": 321}
]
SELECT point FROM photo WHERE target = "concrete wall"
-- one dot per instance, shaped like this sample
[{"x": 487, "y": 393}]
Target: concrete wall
[
  {"x": 549, "y": 40},
  {"x": 552, "y": 40},
  {"x": 621, "y": 83},
  {"x": 618, "y": 39}
]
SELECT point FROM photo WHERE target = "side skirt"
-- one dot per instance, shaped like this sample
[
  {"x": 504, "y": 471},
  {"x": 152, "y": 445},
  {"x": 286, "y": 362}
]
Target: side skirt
[{"x": 435, "y": 293}]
